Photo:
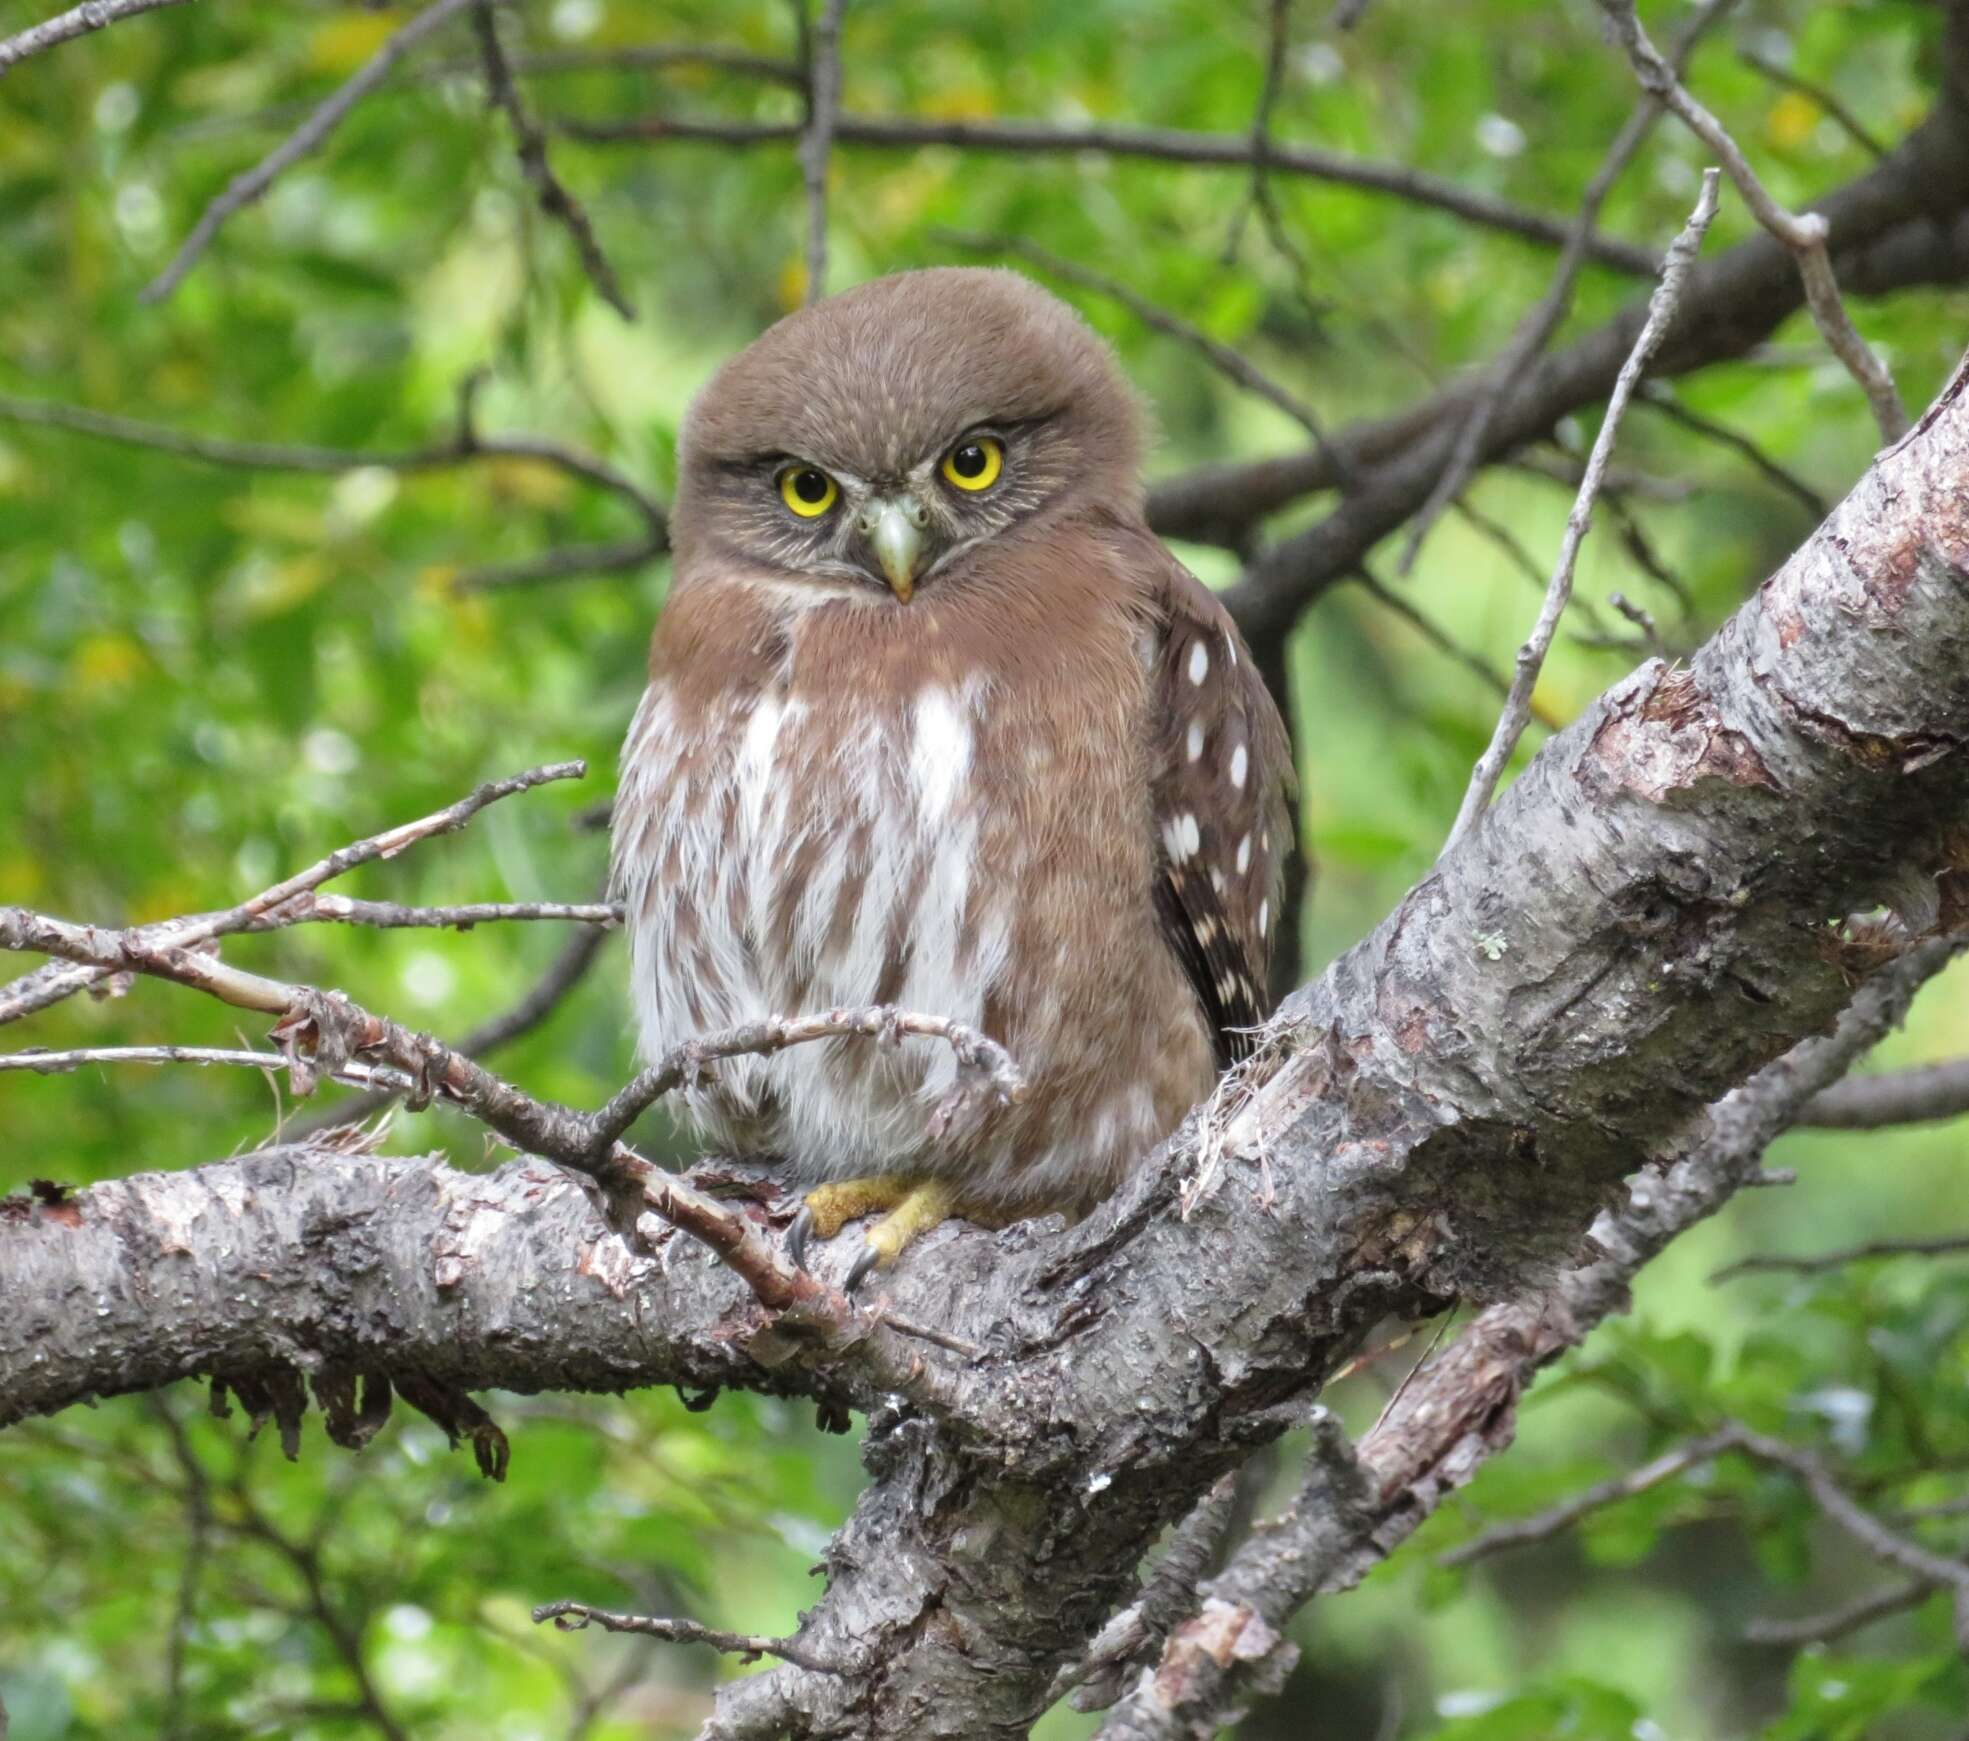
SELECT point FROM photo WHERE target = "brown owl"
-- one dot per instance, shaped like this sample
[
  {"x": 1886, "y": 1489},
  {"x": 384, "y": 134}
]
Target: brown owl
[{"x": 934, "y": 720}]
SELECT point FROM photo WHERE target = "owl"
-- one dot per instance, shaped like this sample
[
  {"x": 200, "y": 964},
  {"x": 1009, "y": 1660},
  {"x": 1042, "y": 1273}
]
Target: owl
[{"x": 933, "y": 720}]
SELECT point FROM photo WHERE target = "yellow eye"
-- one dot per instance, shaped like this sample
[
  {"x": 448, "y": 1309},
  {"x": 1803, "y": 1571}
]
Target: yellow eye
[
  {"x": 808, "y": 491},
  {"x": 974, "y": 464}
]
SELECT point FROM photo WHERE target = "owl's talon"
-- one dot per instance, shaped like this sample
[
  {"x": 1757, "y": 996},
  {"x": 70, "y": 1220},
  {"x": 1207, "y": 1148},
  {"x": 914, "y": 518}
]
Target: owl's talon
[
  {"x": 858, "y": 1272},
  {"x": 798, "y": 1234}
]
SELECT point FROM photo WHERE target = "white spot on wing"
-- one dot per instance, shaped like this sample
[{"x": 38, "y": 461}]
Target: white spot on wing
[
  {"x": 1193, "y": 744},
  {"x": 1199, "y": 663},
  {"x": 1243, "y": 854},
  {"x": 1240, "y": 766},
  {"x": 1264, "y": 916}
]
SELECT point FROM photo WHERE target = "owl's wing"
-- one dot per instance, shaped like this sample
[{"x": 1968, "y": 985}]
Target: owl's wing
[{"x": 1221, "y": 772}]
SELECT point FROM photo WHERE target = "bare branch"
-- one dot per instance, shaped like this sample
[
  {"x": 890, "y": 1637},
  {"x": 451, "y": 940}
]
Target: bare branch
[
  {"x": 1531, "y": 656},
  {"x": 823, "y": 84},
  {"x": 310, "y": 909},
  {"x": 1805, "y": 235},
  {"x": 1158, "y": 144},
  {"x": 77, "y": 21},
  {"x": 531, "y": 144},
  {"x": 1563, "y": 1516},
  {"x": 466, "y": 447},
  {"x": 244, "y": 189},
  {"x": 1946, "y": 1245},
  {"x": 1535, "y": 330},
  {"x": 1918, "y": 1096},
  {"x": 625, "y": 57},
  {"x": 1824, "y": 1628},
  {"x": 37, "y": 990},
  {"x": 1819, "y": 95},
  {"x": 748, "y": 1646},
  {"x": 1658, "y": 397},
  {"x": 1393, "y": 602}
]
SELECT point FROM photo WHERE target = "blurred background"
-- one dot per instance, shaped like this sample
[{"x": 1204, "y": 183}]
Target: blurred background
[{"x": 213, "y": 673}]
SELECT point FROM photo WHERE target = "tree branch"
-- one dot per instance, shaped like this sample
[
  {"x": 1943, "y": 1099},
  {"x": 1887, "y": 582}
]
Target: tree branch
[
  {"x": 1804, "y": 235},
  {"x": 77, "y": 21},
  {"x": 1157, "y": 144},
  {"x": 531, "y": 144},
  {"x": 309, "y": 137},
  {"x": 1511, "y": 722}
]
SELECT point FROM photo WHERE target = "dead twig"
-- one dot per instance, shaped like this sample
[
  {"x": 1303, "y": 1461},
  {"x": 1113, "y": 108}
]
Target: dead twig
[
  {"x": 244, "y": 189},
  {"x": 37, "y": 990},
  {"x": 1534, "y": 332},
  {"x": 1817, "y": 1263},
  {"x": 1531, "y": 656},
  {"x": 823, "y": 87},
  {"x": 748, "y": 1646},
  {"x": 531, "y": 145},
  {"x": 1805, "y": 234},
  {"x": 77, "y": 21}
]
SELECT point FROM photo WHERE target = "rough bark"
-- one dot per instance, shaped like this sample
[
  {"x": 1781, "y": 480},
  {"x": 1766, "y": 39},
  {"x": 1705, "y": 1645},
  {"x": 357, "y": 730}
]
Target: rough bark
[{"x": 1646, "y": 917}]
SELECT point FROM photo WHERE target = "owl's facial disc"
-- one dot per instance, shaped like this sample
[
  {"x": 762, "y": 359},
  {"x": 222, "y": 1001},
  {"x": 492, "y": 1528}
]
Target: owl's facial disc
[{"x": 893, "y": 526}]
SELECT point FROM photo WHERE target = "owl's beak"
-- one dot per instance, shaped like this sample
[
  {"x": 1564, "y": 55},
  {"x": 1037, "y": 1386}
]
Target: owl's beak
[{"x": 893, "y": 526}]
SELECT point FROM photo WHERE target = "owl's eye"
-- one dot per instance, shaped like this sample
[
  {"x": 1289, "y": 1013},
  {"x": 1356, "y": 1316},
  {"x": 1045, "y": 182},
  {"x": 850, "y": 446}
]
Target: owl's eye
[
  {"x": 974, "y": 464},
  {"x": 807, "y": 490}
]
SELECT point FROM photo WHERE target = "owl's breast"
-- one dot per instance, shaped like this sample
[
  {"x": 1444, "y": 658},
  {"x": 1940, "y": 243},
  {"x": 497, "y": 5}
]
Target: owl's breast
[{"x": 793, "y": 850}]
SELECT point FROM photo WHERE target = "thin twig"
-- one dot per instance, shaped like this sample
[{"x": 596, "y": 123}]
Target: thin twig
[
  {"x": 1817, "y": 1263},
  {"x": 1531, "y": 656},
  {"x": 1819, "y": 95},
  {"x": 1157, "y": 144},
  {"x": 1836, "y": 1623},
  {"x": 1393, "y": 602},
  {"x": 531, "y": 145},
  {"x": 541, "y": 999},
  {"x": 1542, "y": 321},
  {"x": 466, "y": 447},
  {"x": 1927, "y": 1092},
  {"x": 393, "y": 916},
  {"x": 37, "y": 990},
  {"x": 244, "y": 189},
  {"x": 823, "y": 65},
  {"x": 1546, "y": 1524},
  {"x": 749, "y": 1646},
  {"x": 985, "y": 1068},
  {"x": 52, "y": 1063},
  {"x": 1657, "y": 396},
  {"x": 642, "y": 56},
  {"x": 77, "y": 21},
  {"x": 1805, "y": 234}
]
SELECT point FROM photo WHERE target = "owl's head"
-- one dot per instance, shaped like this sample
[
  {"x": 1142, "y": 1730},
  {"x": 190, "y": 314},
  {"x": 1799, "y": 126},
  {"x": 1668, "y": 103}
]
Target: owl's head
[{"x": 864, "y": 445}]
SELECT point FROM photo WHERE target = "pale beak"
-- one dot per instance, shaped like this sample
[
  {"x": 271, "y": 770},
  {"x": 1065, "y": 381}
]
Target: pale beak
[{"x": 893, "y": 526}]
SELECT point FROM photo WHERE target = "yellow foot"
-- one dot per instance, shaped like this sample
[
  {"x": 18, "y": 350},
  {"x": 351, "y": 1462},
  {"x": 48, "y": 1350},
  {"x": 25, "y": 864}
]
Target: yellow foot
[{"x": 914, "y": 1207}]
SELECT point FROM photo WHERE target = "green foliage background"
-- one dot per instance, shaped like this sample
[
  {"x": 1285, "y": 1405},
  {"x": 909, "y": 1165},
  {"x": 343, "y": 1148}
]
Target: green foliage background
[{"x": 209, "y": 676}]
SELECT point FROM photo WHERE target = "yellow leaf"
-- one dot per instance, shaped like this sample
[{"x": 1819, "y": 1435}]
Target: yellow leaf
[
  {"x": 792, "y": 285},
  {"x": 20, "y": 881},
  {"x": 344, "y": 42},
  {"x": 106, "y": 662},
  {"x": 1791, "y": 120}
]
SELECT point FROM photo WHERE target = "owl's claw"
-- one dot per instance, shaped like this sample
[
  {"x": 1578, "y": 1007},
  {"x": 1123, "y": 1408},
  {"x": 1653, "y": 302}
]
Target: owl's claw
[
  {"x": 798, "y": 1234},
  {"x": 865, "y": 1261}
]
